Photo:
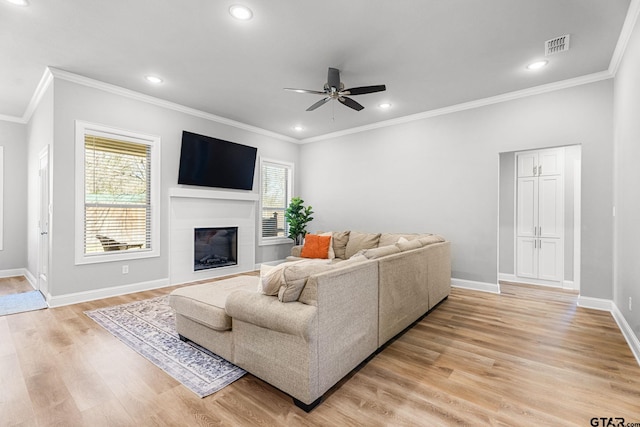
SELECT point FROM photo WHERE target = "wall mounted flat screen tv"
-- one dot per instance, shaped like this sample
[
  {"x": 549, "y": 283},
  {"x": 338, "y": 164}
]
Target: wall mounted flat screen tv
[{"x": 213, "y": 162}]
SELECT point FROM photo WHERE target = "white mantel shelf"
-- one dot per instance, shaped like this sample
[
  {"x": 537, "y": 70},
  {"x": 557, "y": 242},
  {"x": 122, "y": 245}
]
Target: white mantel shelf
[{"x": 213, "y": 194}]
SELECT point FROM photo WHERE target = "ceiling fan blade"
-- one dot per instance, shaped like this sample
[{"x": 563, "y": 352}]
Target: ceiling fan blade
[
  {"x": 350, "y": 103},
  {"x": 364, "y": 90},
  {"x": 319, "y": 103},
  {"x": 333, "y": 78},
  {"x": 315, "y": 92}
]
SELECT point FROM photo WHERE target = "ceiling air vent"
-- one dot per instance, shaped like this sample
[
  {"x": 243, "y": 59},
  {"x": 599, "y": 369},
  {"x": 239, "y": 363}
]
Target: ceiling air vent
[{"x": 557, "y": 45}]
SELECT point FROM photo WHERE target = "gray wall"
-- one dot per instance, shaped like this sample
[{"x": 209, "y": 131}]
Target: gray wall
[
  {"x": 441, "y": 175},
  {"x": 78, "y": 102},
  {"x": 13, "y": 137},
  {"x": 627, "y": 179},
  {"x": 506, "y": 257}
]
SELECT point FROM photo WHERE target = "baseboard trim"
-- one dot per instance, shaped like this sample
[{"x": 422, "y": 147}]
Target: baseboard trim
[
  {"x": 627, "y": 331},
  {"x": 506, "y": 277},
  {"x": 493, "y": 288},
  {"x": 19, "y": 272},
  {"x": 78, "y": 297},
  {"x": 595, "y": 303},
  {"x": 13, "y": 272}
]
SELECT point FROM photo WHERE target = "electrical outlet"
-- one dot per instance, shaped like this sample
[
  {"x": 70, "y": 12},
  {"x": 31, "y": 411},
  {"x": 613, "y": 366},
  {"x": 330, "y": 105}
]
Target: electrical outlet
[
  {"x": 125, "y": 269},
  {"x": 630, "y": 304}
]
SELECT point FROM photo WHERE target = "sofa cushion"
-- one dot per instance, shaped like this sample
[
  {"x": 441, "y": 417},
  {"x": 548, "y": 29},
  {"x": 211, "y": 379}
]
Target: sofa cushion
[
  {"x": 387, "y": 239},
  {"x": 205, "y": 303},
  {"x": 358, "y": 241},
  {"x": 381, "y": 251},
  {"x": 270, "y": 278},
  {"x": 408, "y": 245},
  {"x": 429, "y": 240},
  {"x": 340, "y": 240},
  {"x": 295, "y": 278},
  {"x": 316, "y": 246}
]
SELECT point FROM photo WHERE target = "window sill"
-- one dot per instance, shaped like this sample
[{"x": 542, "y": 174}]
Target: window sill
[
  {"x": 276, "y": 241},
  {"x": 116, "y": 256}
]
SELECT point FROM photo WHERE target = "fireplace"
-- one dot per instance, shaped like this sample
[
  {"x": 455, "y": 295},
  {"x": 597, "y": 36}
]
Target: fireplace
[{"x": 215, "y": 247}]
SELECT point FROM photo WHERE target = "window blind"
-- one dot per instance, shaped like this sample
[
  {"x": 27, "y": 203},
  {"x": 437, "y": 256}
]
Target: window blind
[
  {"x": 117, "y": 195},
  {"x": 275, "y": 197}
]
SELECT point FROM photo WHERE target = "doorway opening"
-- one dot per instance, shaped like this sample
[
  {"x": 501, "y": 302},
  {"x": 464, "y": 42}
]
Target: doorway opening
[{"x": 527, "y": 254}]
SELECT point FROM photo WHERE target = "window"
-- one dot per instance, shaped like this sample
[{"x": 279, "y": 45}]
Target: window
[
  {"x": 117, "y": 194},
  {"x": 276, "y": 180}
]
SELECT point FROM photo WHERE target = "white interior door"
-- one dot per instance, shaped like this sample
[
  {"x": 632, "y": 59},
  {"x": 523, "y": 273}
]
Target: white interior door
[{"x": 43, "y": 223}]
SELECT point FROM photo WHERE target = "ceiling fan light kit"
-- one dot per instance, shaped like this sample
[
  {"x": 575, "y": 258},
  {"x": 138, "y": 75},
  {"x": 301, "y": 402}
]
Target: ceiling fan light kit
[{"x": 334, "y": 89}]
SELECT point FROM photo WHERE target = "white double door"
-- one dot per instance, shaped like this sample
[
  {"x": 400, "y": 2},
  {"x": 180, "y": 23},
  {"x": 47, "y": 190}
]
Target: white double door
[{"x": 540, "y": 216}]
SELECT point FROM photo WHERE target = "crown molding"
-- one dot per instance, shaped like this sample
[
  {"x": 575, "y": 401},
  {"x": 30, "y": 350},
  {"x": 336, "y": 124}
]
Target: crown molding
[
  {"x": 14, "y": 119},
  {"x": 127, "y": 93},
  {"x": 625, "y": 34},
  {"x": 537, "y": 90}
]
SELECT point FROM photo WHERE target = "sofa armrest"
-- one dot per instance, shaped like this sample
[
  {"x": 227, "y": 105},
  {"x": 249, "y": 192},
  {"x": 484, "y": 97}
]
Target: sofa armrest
[
  {"x": 296, "y": 250},
  {"x": 293, "y": 318}
]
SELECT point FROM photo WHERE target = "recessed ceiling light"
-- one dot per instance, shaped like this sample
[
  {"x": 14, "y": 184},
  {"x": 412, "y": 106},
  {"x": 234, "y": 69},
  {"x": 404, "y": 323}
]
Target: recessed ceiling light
[
  {"x": 153, "y": 79},
  {"x": 298, "y": 128},
  {"x": 537, "y": 65},
  {"x": 241, "y": 12},
  {"x": 19, "y": 2},
  {"x": 384, "y": 105}
]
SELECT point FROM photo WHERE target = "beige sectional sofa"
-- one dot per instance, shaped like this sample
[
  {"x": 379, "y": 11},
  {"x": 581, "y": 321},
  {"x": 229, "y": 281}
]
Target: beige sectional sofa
[{"x": 343, "y": 310}]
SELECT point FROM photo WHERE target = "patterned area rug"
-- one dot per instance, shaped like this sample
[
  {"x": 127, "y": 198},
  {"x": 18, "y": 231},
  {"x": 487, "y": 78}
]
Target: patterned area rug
[
  {"x": 148, "y": 327},
  {"x": 19, "y": 303}
]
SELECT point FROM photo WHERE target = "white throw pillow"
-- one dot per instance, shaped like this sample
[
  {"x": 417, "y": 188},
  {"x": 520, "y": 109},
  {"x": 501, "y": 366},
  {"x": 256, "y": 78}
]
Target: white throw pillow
[{"x": 270, "y": 278}]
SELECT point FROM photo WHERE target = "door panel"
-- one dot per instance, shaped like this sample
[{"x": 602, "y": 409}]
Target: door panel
[
  {"x": 551, "y": 207},
  {"x": 549, "y": 260},
  {"x": 527, "y": 265},
  {"x": 551, "y": 162},
  {"x": 527, "y": 210},
  {"x": 43, "y": 223},
  {"x": 526, "y": 164}
]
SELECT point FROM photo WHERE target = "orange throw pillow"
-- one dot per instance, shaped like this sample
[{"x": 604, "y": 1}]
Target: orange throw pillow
[{"x": 316, "y": 246}]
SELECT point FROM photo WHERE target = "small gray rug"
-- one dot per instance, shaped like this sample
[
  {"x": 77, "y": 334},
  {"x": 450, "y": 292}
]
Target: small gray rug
[
  {"x": 148, "y": 327},
  {"x": 18, "y": 303}
]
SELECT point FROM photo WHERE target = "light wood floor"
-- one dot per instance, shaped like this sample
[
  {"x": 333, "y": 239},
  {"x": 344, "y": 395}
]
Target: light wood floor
[
  {"x": 526, "y": 357},
  {"x": 14, "y": 285}
]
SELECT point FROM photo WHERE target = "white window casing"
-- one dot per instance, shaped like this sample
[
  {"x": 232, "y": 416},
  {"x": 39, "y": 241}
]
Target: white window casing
[
  {"x": 117, "y": 194},
  {"x": 276, "y": 189}
]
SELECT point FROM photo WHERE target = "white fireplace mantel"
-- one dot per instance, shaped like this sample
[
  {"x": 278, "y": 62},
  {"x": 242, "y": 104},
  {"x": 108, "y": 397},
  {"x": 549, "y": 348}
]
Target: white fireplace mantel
[
  {"x": 191, "y": 208},
  {"x": 197, "y": 193}
]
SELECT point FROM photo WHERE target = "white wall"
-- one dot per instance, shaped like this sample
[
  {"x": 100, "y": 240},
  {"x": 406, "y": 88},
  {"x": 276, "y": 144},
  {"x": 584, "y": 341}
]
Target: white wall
[
  {"x": 79, "y": 102},
  {"x": 441, "y": 175},
  {"x": 627, "y": 180},
  {"x": 14, "y": 249}
]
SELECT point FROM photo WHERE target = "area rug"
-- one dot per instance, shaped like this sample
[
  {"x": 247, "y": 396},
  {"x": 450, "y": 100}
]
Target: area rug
[
  {"x": 18, "y": 303},
  {"x": 148, "y": 327}
]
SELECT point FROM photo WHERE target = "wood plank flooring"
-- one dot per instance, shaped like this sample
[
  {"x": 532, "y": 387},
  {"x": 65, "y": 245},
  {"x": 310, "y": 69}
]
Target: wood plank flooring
[
  {"x": 529, "y": 356},
  {"x": 14, "y": 285}
]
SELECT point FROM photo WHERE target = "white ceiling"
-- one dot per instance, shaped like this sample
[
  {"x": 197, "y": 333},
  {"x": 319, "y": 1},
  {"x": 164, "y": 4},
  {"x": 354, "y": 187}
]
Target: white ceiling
[{"x": 430, "y": 54}]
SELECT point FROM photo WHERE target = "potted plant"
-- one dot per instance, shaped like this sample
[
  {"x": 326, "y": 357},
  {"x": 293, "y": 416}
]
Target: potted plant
[{"x": 298, "y": 216}]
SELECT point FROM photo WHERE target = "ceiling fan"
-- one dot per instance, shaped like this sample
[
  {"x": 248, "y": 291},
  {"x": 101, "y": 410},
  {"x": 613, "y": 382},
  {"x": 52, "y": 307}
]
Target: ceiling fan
[{"x": 334, "y": 89}]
